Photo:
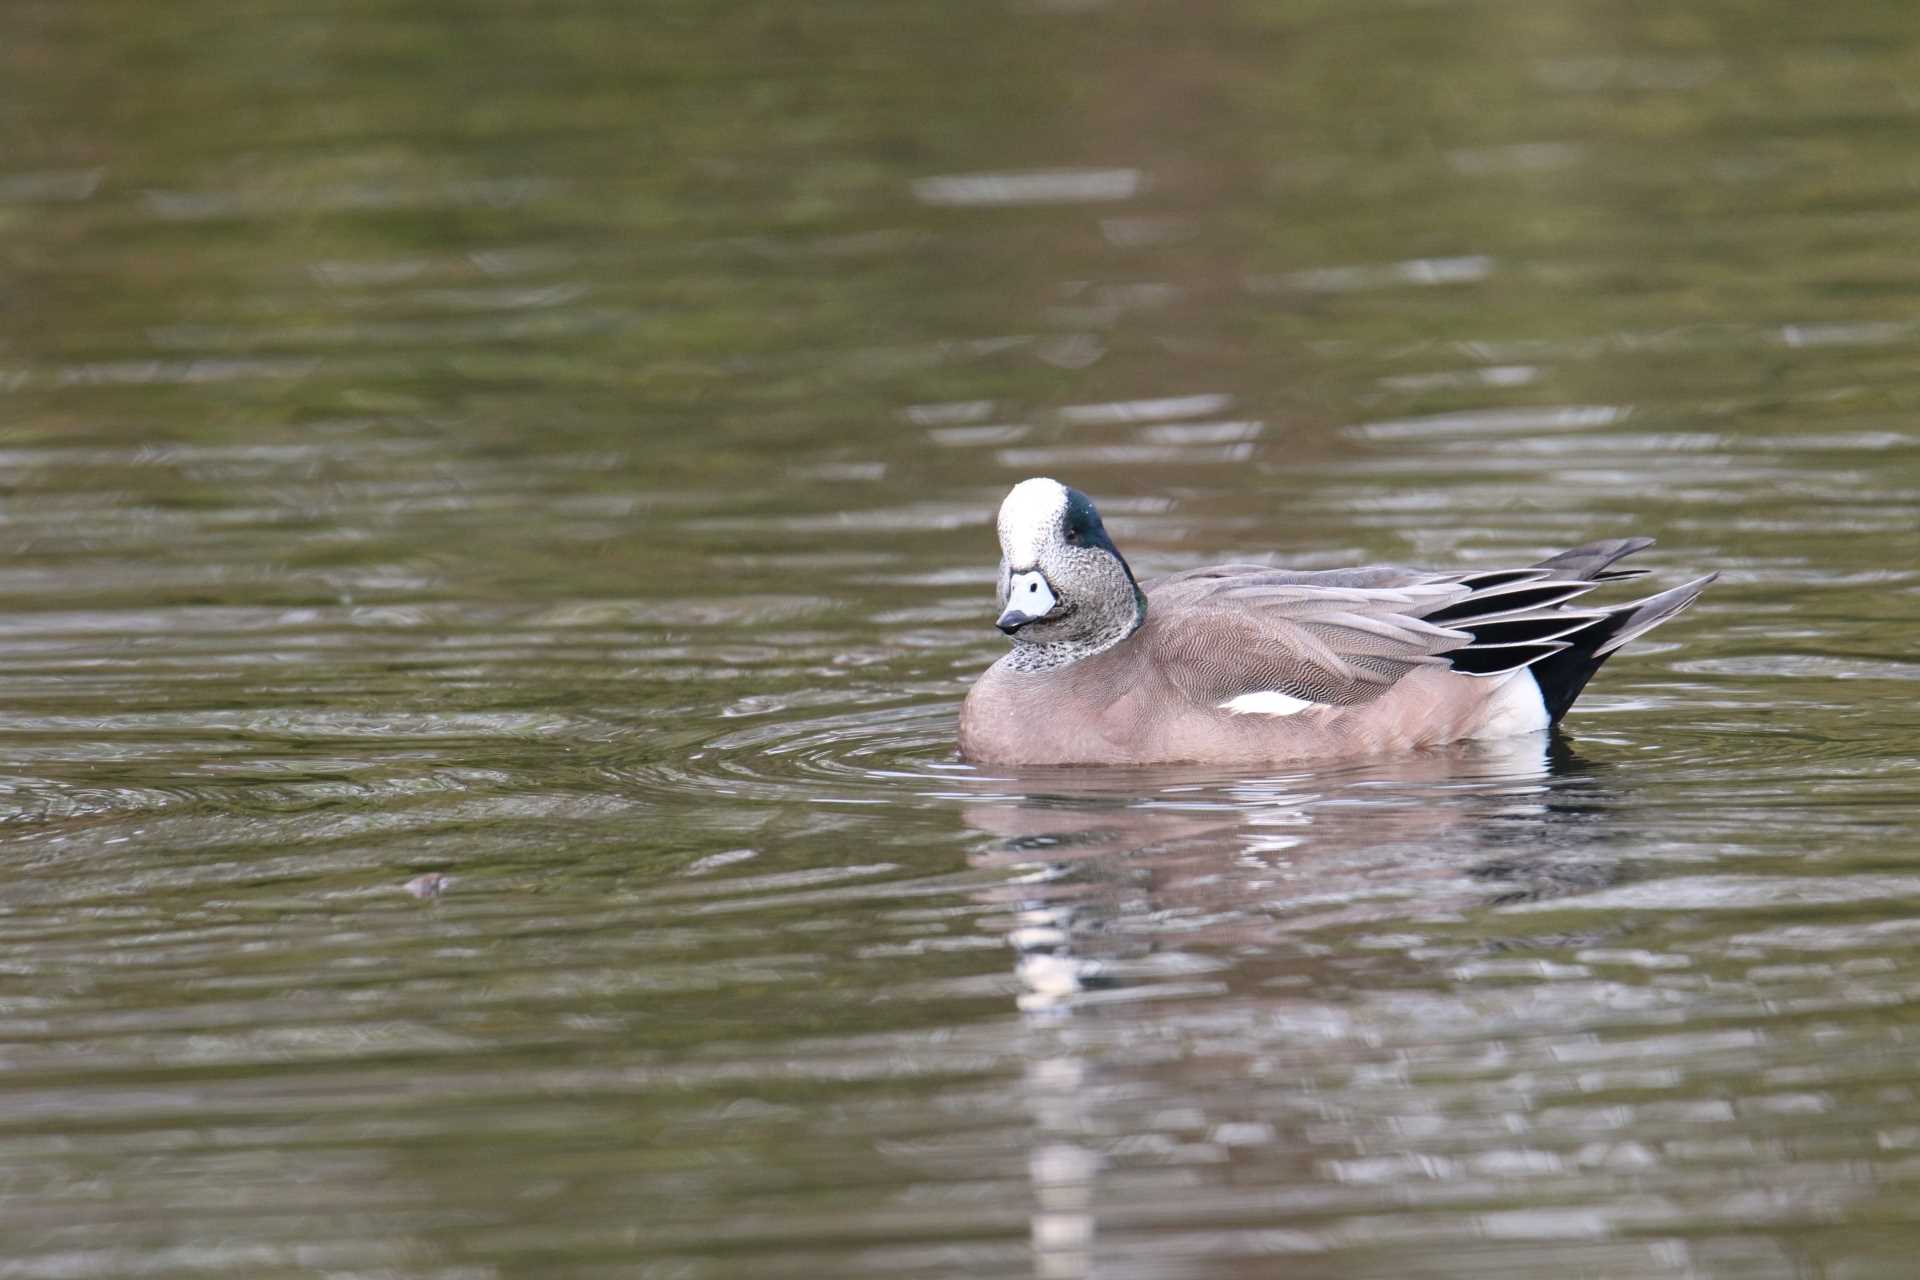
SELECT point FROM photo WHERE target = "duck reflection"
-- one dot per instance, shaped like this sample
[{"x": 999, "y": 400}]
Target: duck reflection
[
  {"x": 1168, "y": 877},
  {"x": 1172, "y": 886}
]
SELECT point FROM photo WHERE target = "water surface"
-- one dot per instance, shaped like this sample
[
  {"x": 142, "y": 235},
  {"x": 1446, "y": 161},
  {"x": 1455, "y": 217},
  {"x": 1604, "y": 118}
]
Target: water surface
[{"x": 496, "y": 508}]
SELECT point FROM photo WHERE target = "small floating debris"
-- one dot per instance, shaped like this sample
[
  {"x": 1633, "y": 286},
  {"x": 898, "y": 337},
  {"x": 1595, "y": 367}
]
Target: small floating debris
[{"x": 430, "y": 885}]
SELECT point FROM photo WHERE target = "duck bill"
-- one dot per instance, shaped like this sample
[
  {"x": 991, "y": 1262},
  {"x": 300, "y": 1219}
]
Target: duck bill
[
  {"x": 1029, "y": 598},
  {"x": 1012, "y": 620}
]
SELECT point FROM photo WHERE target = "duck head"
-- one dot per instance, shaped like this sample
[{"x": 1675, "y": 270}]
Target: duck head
[{"x": 1062, "y": 581}]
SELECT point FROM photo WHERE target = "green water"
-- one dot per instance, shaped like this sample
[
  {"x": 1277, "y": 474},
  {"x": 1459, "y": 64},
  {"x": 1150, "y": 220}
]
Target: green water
[{"x": 552, "y": 448}]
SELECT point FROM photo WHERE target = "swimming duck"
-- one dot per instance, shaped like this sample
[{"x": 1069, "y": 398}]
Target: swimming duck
[{"x": 1248, "y": 664}]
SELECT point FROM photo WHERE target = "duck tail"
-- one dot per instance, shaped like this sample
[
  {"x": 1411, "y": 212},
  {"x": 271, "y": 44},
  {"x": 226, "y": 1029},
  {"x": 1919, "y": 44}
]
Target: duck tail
[
  {"x": 1594, "y": 561},
  {"x": 1562, "y": 675}
]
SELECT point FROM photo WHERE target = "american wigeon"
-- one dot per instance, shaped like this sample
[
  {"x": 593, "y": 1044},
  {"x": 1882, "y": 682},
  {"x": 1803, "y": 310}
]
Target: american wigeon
[{"x": 1246, "y": 664}]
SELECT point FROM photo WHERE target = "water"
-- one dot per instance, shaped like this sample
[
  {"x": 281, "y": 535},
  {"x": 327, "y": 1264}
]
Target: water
[{"x": 496, "y": 509}]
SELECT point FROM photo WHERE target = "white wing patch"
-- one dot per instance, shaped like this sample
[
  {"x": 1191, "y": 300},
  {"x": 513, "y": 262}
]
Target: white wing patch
[{"x": 1268, "y": 702}]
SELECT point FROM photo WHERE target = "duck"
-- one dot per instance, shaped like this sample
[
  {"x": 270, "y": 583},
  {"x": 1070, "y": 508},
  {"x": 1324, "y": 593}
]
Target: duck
[{"x": 1247, "y": 664}]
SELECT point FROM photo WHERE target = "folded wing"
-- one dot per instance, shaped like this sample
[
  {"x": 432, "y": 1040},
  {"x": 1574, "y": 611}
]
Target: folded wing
[{"x": 1238, "y": 633}]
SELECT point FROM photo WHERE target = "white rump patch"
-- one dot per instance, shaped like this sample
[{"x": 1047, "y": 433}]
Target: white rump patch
[
  {"x": 1268, "y": 702},
  {"x": 1030, "y": 519},
  {"x": 1515, "y": 707}
]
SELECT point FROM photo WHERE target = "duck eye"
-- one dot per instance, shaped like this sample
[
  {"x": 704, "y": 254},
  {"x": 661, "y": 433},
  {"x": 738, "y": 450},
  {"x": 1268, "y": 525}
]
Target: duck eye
[{"x": 1073, "y": 536}]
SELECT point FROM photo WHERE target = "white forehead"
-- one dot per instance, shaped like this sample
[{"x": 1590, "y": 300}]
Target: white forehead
[{"x": 1030, "y": 518}]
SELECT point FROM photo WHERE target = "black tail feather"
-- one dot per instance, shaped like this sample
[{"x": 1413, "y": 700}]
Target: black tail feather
[
  {"x": 1592, "y": 560},
  {"x": 1523, "y": 598},
  {"x": 1523, "y": 618},
  {"x": 1562, "y": 675},
  {"x": 1501, "y": 578},
  {"x": 1499, "y": 659},
  {"x": 1532, "y": 629}
]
